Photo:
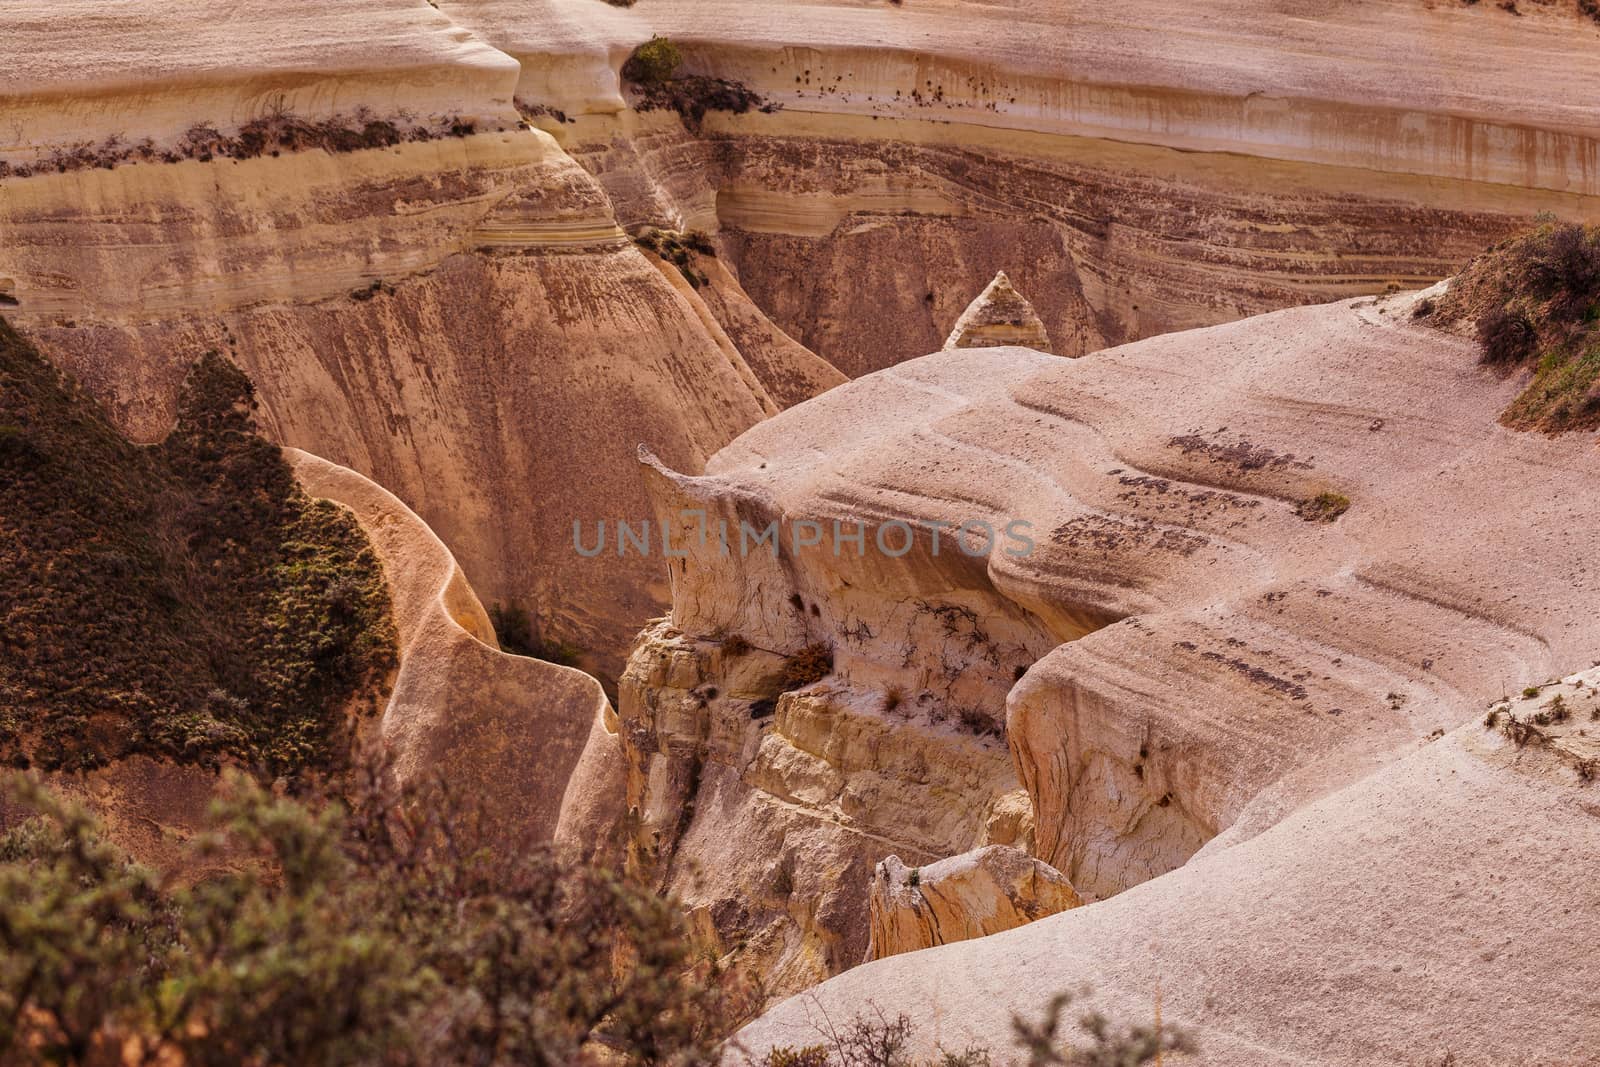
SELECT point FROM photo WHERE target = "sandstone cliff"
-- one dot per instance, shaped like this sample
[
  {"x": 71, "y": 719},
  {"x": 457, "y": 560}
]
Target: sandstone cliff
[
  {"x": 456, "y": 314},
  {"x": 1136, "y": 170},
  {"x": 972, "y": 895}
]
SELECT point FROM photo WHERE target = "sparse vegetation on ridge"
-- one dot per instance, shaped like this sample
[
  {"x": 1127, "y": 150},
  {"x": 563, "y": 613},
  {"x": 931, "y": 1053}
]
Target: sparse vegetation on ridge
[
  {"x": 273, "y": 134},
  {"x": 1534, "y": 302},
  {"x": 185, "y": 599},
  {"x": 681, "y": 250},
  {"x": 873, "y": 1039},
  {"x": 652, "y": 71},
  {"x": 370, "y": 931}
]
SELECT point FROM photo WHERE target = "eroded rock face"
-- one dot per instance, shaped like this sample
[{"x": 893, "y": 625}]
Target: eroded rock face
[
  {"x": 507, "y": 732},
  {"x": 979, "y": 893},
  {"x": 999, "y": 316},
  {"x": 1272, "y": 755},
  {"x": 765, "y": 806},
  {"x": 461, "y": 320},
  {"x": 1182, "y": 657}
]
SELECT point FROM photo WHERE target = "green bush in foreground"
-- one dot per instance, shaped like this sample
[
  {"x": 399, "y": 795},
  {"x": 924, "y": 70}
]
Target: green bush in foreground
[{"x": 373, "y": 933}]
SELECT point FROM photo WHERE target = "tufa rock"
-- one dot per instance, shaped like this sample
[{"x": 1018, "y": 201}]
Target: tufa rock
[
  {"x": 999, "y": 316},
  {"x": 977, "y": 893}
]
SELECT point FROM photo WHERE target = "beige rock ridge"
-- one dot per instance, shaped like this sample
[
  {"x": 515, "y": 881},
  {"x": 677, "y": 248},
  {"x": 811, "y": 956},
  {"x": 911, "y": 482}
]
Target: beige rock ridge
[
  {"x": 524, "y": 741},
  {"x": 1419, "y": 915},
  {"x": 997, "y": 317},
  {"x": 74, "y": 71},
  {"x": 1388, "y": 85},
  {"x": 1181, "y": 660},
  {"x": 507, "y": 731},
  {"x": 972, "y": 895},
  {"x": 570, "y": 51}
]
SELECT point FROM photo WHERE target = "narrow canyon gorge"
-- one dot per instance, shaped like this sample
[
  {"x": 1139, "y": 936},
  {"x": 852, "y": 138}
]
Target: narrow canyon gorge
[{"x": 967, "y": 500}]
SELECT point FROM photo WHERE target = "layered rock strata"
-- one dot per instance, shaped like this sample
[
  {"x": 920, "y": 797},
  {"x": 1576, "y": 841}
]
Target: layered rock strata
[
  {"x": 972, "y": 895},
  {"x": 438, "y": 313},
  {"x": 1189, "y": 650},
  {"x": 997, "y": 317},
  {"x": 1138, "y": 172}
]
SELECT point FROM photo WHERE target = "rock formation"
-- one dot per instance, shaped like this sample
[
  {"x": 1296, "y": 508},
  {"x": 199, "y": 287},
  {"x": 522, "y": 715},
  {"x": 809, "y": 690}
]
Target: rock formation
[
  {"x": 438, "y": 313},
  {"x": 1402, "y": 918},
  {"x": 999, "y": 316},
  {"x": 1139, "y": 193},
  {"x": 1175, "y": 655},
  {"x": 1201, "y": 627},
  {"x": 507, "y": 731},
  {"x": 979, "y": 893},
  {"x": 1137, "y": 171},
  {"x": 764, "y": 800}
]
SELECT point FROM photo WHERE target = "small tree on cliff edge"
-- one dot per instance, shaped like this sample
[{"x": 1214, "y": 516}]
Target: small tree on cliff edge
[{"x": 653, "y": 62}]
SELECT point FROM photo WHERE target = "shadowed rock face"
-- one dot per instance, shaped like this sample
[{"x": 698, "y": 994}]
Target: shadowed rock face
[
  {"x": 443, "y": 316},
  {"x": 982, "y": 892},
  {"x": 999, "y": 316}
]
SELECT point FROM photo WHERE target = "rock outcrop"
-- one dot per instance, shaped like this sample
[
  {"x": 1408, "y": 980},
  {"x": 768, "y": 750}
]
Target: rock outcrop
[
  {"x": 506, "y": 731},
  {"x": 1404, "y": 918},
  {"x": 1136, "y": 171},
  {"x": 1129, "y": 586},
  {"x": 764, "y": 798},
  {"x": 982, "y": 892},
  {"x": 997, "y": 317},
  {"x": 459, "y": 316}
]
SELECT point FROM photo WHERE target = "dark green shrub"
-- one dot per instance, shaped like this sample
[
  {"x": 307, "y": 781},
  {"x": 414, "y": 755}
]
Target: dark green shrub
[
  {"x": 137, "y": 582},
  {"x": 1535, "y": 302},
  {"x": 653, "y": 62}
]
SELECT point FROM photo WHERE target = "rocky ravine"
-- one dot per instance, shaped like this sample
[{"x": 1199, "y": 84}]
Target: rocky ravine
[
  {"x": 1137, "y": 169},
  {"x": 353, "y": 203},
  {"x": 1191, "y": 651},
  {"x": 451, "y": 305},
  {"x": 445, "y": 301}
]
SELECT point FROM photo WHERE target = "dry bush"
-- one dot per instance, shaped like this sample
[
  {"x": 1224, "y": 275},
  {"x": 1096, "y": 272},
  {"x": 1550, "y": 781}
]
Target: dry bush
[
  {"x": 1324, "y": 507},
  {"x": 1534, "y": 301},
  {"x": 810, "y": 664},
  {"x": 376, "y": 931}
]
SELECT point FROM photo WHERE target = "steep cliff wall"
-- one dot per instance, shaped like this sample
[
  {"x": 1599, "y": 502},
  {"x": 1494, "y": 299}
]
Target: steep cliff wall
[
  {"x": 1151, "y": 168},
  {"x": 422, "y": 288},
  {"x": 447, "y": 317}
]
